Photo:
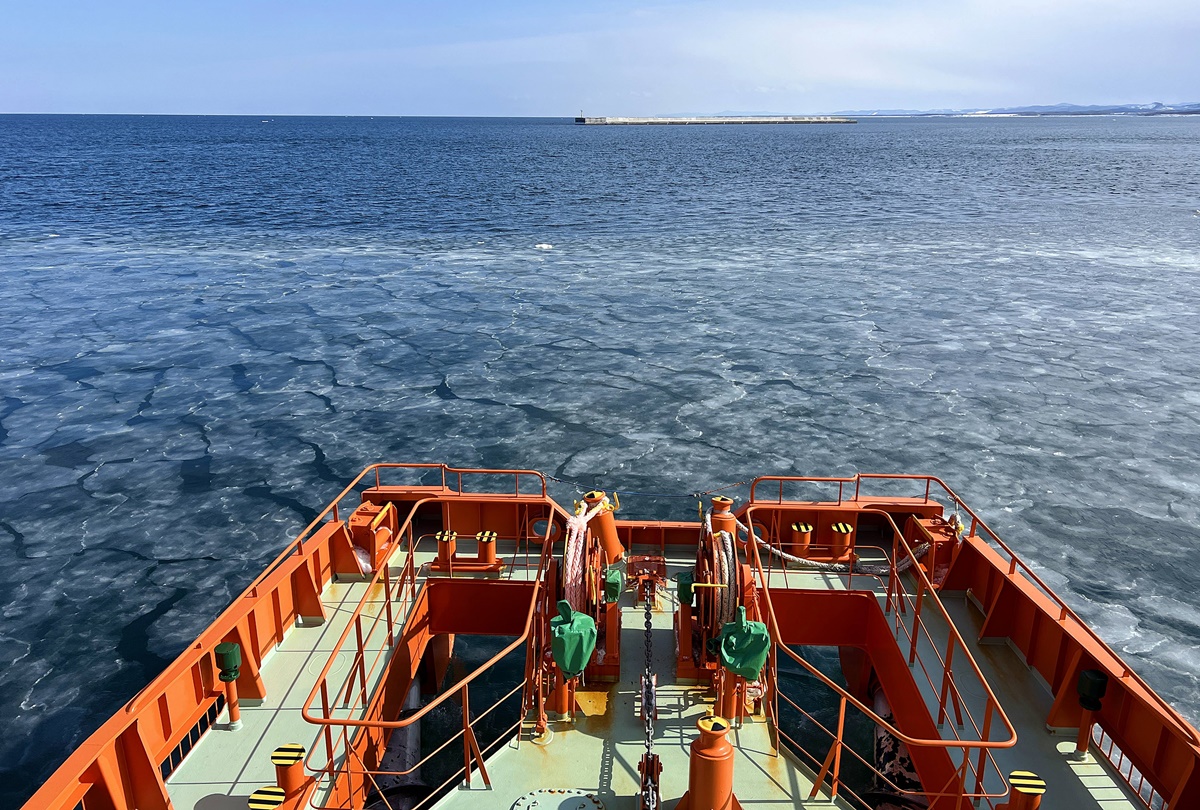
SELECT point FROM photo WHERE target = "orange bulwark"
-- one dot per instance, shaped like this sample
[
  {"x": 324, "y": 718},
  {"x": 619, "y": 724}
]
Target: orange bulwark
[{"x": 913, "y": 659}]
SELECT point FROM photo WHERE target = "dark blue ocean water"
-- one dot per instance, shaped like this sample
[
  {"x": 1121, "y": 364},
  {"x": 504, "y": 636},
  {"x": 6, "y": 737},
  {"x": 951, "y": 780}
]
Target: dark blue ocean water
[{"x": 207, "y": 325}]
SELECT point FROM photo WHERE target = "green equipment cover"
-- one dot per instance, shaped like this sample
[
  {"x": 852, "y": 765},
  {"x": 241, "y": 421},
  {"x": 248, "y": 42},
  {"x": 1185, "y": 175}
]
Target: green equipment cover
[
  {"x": 614, "y": 583},
  {"x": 572, "y": 639},
  {"x": 744, "y": 646},
  {"x": 686, "y": 580}
]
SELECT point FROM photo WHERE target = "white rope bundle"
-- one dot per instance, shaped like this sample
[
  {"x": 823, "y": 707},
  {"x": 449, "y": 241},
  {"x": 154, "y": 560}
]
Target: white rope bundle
[
  {"x": 837, "y": 568},
  {"x": 727, "y": 562},
  {"x": 574, "y": 587}
]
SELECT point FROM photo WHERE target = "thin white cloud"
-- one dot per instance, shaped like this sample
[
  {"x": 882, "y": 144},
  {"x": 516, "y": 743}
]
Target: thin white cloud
[{"x": 686, "y": 57}]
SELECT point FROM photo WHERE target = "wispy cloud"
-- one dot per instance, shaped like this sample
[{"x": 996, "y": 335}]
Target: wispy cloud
[{"x": 540, "y": 58}]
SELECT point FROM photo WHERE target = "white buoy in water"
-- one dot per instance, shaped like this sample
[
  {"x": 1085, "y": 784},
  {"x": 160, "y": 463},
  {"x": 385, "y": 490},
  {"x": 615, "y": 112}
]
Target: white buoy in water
[{"x": 544, "y": 246}]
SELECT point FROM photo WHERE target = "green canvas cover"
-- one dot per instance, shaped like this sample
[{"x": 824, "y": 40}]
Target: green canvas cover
[
  {"x": 686, "y": 580},
  {"x": 614, "y": 583},
  {"x": 572, "y": 639},
  {"x": 744, "y": 646}
]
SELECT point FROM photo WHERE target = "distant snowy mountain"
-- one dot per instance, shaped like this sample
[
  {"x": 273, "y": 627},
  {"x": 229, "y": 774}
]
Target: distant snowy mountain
[{"x": 1154, "y": 108}]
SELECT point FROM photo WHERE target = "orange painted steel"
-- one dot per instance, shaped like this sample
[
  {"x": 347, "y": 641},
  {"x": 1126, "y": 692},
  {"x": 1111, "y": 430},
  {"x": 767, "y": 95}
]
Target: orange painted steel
[
  {"x": 710, "y": 768},
  {"x": 119, "y": 764},
  {"x": 949, "y": 790},
  {"x": 722, "y": 519},
  {"x": 371, "y": 722},
  {"x": 1154, "y": 750},
  {"x": 604, "y": 525}
]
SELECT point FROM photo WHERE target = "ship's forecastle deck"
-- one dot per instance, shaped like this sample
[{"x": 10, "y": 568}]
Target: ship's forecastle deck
[{"x": 913, "y": 660}]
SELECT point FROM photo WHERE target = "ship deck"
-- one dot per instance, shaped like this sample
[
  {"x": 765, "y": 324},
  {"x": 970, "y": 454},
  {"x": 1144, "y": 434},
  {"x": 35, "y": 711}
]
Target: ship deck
[{"x": 598, "y": 752}]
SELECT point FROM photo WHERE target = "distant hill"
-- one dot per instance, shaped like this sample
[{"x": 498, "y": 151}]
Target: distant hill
[{"x": 1154, "y": 108}]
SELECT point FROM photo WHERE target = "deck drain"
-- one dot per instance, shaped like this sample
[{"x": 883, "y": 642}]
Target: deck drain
[{"x": 558, "y": 799}]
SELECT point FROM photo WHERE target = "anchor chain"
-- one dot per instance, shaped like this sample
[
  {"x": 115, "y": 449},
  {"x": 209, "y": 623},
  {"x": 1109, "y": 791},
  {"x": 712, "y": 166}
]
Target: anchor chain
[{"x": 649, "y": 766}]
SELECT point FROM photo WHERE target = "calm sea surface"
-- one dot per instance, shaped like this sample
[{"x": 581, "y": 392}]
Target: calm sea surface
[{"x": 208, "y": 325}]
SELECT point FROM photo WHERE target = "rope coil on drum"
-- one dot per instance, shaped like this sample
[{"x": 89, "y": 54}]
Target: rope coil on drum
[{"x": 574, "y": 586}]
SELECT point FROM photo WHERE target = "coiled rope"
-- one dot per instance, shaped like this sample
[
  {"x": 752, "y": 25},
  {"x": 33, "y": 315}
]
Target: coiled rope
[
  {"x": 837, "y": 568},
  {"x": 574, "y": 587}
]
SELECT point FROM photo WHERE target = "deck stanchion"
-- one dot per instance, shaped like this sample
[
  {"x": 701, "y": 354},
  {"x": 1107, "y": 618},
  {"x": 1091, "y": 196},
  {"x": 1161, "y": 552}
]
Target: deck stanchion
[
  {"x": 328, "y": 728},
  {"x": 229, "y": 659},
  {"x": 362, "y": 664},
  {"x": 387, "y": 600},
  {"x": 1092, "y": 685}
]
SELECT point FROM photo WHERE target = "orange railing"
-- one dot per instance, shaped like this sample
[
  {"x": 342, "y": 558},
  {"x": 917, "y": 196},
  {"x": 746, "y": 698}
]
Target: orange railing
[
  {"x": 1150, "y": 730},
  {"x": 338, "y": 732},
  {"x": 1181, "y": 726},
  {"x": 899, "y": 602},
  {"x": 168, "y": 715},
  {"x": 1149, "y": 783}
]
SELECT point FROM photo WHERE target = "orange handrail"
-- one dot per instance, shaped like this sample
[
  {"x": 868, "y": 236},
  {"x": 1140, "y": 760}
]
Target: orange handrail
[
  {"x": 899, "y": 540},
  {"x": 547, "y": 550},
  {"x": 1181, "y": 725}
]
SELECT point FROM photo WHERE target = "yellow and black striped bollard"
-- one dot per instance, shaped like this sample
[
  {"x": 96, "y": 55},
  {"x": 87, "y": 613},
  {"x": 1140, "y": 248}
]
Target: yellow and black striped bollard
[
  {"x": 266, "y": 798},
  {"x": 289, "y": 768},
  {"x": 1027, "y": 790}
]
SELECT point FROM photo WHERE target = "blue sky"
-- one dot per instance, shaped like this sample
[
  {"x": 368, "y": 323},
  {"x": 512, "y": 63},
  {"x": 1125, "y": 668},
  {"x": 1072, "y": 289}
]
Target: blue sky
[{"x": 368, "y": 57}]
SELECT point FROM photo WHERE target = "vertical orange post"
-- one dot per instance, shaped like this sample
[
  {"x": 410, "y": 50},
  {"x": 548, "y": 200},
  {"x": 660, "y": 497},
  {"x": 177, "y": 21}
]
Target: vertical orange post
[
  {"x": 801, "y": 538},
  {"x": 722, "y": 519},
  {"x": 487, "y": 547},
  {"x": 605, "y": 527},
  {"x": 229, "y": 661},
  {"x": 231, "y": 703},
  {"x": 1091, "y": 688},
  {"x": 841, "y": 539},
  {"x": 560, "y": 699},
  {"x": 710, "y": 769},
  {"x": 447, "y": 545},
  {"x": 1085, "y": 734},
  {"x": 728, "y": 704},
  {"x": 289, "y": 768},
  {"x": 1027, "y": 791}
]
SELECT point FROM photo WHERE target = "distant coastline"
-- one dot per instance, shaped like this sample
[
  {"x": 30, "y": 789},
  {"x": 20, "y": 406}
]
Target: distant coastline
[{"x": 1151, "y": 109}]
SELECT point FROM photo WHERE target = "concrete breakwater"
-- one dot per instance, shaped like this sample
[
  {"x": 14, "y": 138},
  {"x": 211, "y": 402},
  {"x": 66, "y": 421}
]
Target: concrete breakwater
[{"x": 721, "y": 119}]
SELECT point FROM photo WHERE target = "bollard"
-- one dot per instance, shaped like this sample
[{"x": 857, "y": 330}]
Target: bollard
[
  {"x": 841, "y": 539},
  {"x": 447, "y": 545},
  {"x": 1027, "y": 791},
  {"x": 487, "y": 547},
  {"x": 229, "y": 661},
  {"x": 289, "y": 768},
  {"x": 710, "y": 769},
  {"x": 265, "y": 798},
  {"x": 801, "y": 538}
]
